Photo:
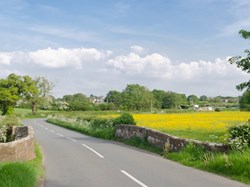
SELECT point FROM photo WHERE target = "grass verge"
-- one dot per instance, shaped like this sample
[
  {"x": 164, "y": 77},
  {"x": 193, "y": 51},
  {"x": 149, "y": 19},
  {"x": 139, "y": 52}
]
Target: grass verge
[
  {"x": 234, "y": 165},
  {"x": 22, "y": 174},
  {"x": 104, "y": 133}
]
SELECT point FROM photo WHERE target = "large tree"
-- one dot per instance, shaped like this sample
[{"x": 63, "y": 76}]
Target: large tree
[
  {"x": 159, "y": 96},
  {"x": 243, "y": 63},
  {"x": 113, "y": 96},
  {"x": 10, "y": 92},
  {"x": 77, "y": 101},
  {"x": 136, "y": 97},
  {"x": 36, "y": 91},
  {"x": 174, "y": 100}
]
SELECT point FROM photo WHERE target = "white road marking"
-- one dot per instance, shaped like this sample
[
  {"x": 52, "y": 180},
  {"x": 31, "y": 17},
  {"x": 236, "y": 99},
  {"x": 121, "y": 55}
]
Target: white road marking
[
  {"x": 46, "y": 128},
  {"x": 71, "y": 139},
  {"x": 98, "y": 154},
  {"x": 59, "y": 134},
  {"x": 133, "y": 178},
  {"x": 52, "y": 131}
]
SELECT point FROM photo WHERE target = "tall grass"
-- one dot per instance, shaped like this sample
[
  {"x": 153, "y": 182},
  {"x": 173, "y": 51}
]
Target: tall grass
[
  {"x": 235, "y": 165},
  {"x": 88, "y": 127},
  {"x": 22, "y": 174}
]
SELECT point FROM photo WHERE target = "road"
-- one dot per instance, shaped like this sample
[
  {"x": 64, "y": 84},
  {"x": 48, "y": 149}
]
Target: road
[{"x": 73, "y": 159}]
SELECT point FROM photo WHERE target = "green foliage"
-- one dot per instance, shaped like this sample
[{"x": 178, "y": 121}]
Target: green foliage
[
  {"x": 6, "y": 124},
  {"x": 125, "y": 118},
  {"x": 245, "y": 101},
  {"x": 101, "y": 128},
  {"x": 193, "y": 99},
  {"x": 22, "y": 174},
  {"x": 239, "y": 138},
  {"x": 159, "y": 95},
  {"x": 136, "y": 97},
  {"x": 174, "y": 100},
  {"x": 243, "y": 63},
  {"x": 10, "y": 92},
  {"x": 232, "y": 164},
  {"x": 114, "y": 97},
  {"x": 78, "y": 102}
]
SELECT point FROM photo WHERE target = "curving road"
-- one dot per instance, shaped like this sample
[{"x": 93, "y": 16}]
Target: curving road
[{"x": 73, "y": 159}]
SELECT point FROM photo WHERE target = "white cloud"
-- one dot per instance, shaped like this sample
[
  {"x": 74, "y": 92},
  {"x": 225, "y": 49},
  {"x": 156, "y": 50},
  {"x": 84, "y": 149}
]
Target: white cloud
[
  {"x": 5, "y": 58},
  {"x": 55, "y": 58},
  {"x": 150, "y": 65},
  {"x": 62, "y": 57},
  {"x": 158, "y": 66},
  {"x": 137, "y": 49},
  {"x": 94, "y": 71}
]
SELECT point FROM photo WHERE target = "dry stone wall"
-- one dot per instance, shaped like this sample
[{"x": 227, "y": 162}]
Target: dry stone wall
[
  {"x": 21, "y": 149},
  {"x": 163, "y": 140}
]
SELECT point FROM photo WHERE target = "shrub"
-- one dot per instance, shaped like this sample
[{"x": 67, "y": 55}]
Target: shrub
[
  {"x": 125, "y": 118},
  {"x": 217, "y": 109},
  {"x": 6, "y": 124},
  {"x": 239, "y": 137}
]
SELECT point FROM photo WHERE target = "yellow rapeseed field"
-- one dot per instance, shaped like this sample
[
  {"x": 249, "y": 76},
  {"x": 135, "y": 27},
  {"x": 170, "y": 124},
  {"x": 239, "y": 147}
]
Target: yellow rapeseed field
[
  {"x": 206, "y": 121},
  {"x": 206, "y": 126}
]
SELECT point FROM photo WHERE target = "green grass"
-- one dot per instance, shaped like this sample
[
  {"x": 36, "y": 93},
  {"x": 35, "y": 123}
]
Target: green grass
[
  {"x": 217, "y": 137},
  {"x": 22, "y": 174},
  {"x": 234, "y": 165},
  {"x": 104, "y": 133},
  {"x": 27, "y": 113}
]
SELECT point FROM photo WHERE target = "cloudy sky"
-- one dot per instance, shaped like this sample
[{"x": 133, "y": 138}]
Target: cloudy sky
[{"x": 100, "y": 45}]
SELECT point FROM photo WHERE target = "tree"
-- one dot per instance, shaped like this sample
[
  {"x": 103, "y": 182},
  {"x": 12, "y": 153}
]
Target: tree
[
  {"x": 243, "y": 63},
  {"x": 136, "y": 97},
  {"x": 159, "y": 96},
  {"x": 113, "y": 96},
  {"x": 245, "y": 101},
  {"x": 203, "y": 98},
  {"x": 193, "y": 99},
  {"x": 36, "y": 91},
  {"x": 10, "y": 92},
  {"x": 174, "y": 100},
  {"x": 77, "y": 101}
]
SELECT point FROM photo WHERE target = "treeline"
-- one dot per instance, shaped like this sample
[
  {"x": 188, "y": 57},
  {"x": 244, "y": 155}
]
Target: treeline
[
  {"x": 136, "y": 98},
  {"x": 26, "y": 92}
]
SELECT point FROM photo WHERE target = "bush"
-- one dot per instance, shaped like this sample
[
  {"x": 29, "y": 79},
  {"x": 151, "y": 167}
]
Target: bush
[
  {"x": 125, "y": 118},
  {"x": 239, "y": 138},
  {"x": 6, "y": 124},
  {"x": 217, "y": 109}
]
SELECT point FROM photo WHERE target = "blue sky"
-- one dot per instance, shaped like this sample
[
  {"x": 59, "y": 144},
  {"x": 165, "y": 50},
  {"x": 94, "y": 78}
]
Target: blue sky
[{"x": 96, "y": 46}]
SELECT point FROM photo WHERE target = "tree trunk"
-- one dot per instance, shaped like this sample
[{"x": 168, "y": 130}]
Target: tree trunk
[{"x": 33, "y": 106}]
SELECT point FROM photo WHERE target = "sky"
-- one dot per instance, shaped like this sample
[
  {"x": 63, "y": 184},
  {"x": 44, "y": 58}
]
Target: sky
[{"x": 92, "y": 47}]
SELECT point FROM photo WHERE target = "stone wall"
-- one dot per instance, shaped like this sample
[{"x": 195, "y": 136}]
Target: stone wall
[
  {"x": 21, "y": 149},
  {"x": 162, "y": 140}
]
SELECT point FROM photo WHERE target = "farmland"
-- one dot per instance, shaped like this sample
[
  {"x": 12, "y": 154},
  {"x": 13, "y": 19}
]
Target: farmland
[{"x": 204, "y": 126}]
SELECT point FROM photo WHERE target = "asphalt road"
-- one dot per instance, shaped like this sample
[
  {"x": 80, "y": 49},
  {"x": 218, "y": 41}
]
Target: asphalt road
[{"x": 73, "y": 159}]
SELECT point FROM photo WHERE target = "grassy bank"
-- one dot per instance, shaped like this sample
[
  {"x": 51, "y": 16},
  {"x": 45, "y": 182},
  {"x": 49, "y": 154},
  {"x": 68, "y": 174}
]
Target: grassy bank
[
  {"x": 22, "y": 174},
  {"x": 85, "y": 127},
  {"x": 235, "y": 165}
]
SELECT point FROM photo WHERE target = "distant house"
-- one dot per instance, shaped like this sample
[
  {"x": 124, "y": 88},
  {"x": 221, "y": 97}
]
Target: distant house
[{"x": 196, "y": 107}]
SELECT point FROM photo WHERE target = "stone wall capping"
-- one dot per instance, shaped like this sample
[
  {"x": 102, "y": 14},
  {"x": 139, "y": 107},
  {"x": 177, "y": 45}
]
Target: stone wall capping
[{"x": 22, "y": 148}]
